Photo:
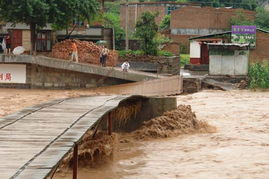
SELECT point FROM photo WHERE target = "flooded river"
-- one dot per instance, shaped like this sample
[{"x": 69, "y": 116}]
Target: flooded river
[{"x": 239, "y": 148}]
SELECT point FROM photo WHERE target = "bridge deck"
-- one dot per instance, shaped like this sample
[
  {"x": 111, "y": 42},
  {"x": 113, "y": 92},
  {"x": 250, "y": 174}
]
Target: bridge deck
[
  {"x": 34, "y": 140},
  {"x": 113, "y": 72}
]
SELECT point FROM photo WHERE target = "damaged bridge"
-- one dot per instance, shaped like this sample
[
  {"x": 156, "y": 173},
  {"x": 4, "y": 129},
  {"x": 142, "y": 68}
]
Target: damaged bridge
[
  {"x": 45, "y": 72},
  {"x": 35, "y": 140}
]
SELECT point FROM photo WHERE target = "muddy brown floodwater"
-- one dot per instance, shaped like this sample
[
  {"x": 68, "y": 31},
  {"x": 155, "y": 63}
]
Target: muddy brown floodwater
[{"x": 239, "y": 148}]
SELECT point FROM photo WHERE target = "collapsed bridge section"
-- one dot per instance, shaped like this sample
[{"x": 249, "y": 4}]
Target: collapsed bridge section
[{"x": 34, "y": 140}]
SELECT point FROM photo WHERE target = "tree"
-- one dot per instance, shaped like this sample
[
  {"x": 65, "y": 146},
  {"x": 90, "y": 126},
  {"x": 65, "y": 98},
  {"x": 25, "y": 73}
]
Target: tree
[
  {"x": 146, "y": 30},
  {"x": 37, "y": 13},
  {"x": 262, "y": 18},
  {"x": 63, "y": 12},
  {"x": 112, "y": 20},
  {"x": 165, "y": 23},
  {"x": 241, "y": 19},
  {"x": 245, "y": 4}
]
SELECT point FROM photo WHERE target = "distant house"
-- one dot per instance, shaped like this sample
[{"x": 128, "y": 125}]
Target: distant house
[
  {"x": 199, "y": 53},
  {"x": 190, "y": 22},
  {"x": 21, "y": 36},
  {"x": 135, "y": 10}
]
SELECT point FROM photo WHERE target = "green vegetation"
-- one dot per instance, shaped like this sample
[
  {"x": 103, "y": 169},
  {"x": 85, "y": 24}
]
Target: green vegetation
[
  {"x": 112, "y": 20},
  {"x": 262, "y": 18},
  {"x": 165, "y": 24},
  {"x": 113, "y": 7},
  {"x": 37, "y": 13},
  {"x": 124, "y": 53},
  {"x": 259, "y": 75},
  {"x": 146, "y": 30},
  {"x": 184, "y": 59},
  {"x": 164, "y": 53},
  {"x": 240, "y": 19},
  {"x": 245, "y": 4}
]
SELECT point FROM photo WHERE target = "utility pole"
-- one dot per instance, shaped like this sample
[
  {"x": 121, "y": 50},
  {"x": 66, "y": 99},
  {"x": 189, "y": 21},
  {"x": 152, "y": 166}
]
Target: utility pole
[
  {"x": 114, "y": 44},
  {"x": 126, "y": 26}
]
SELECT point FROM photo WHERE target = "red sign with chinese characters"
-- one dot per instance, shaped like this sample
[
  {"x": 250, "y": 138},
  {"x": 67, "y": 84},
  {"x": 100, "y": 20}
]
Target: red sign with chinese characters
[
  {"x": 5, "y": 77},
  {"x": 12, "y": 73}
]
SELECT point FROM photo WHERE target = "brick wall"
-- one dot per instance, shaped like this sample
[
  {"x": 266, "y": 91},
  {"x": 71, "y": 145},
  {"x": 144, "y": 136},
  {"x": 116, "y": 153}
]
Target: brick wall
[
  {"x": 205, "y": 18},
  {"x": 261, "y": 52},
  {"x": 172, "y": 47},
  {"x": 183, "y": 41},
  {"x": 190, "y": 22},
  {"x": 136, "y": 11}
]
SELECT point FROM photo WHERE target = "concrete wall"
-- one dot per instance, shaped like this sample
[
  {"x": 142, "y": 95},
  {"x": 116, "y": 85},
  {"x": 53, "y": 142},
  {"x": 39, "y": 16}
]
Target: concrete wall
[
  {"x": 236, "y": 64},
  {"x": 195, "y": 49},
  {"x": 45, "y": 77},
  {"x": 161, "y": 65},
  {"x": 261, "y": 52},
  {"x": 158, "y": 87},
  {"x": 151, "y": 108}
]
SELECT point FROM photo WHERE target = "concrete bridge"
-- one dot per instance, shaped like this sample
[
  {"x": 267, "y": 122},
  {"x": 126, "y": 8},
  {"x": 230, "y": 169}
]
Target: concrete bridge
[
  {"x": 48, "y": 72},
  {"x": 35, "y": 140}
]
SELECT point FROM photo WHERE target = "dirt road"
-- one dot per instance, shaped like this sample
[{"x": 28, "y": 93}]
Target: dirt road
[{"x": 239, "y": 149}]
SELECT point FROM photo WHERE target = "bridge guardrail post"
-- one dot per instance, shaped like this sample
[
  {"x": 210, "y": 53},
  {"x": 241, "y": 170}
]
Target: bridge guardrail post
[
  {"x": 75, "y": 161},
  {"x": 109, "y": 124}
]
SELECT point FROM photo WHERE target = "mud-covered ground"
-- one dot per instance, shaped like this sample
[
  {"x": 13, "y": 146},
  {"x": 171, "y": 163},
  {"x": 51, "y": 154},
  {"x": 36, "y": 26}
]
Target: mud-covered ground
[
  {"x": 238, "y": 149},
  {"x": 12, "y": 100}
]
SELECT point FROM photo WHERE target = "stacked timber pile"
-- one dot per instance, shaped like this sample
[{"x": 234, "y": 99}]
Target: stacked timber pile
[{"x": 88, "y": 52}]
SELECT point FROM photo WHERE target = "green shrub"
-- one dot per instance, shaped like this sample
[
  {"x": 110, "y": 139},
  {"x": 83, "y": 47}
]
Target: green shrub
[
  {"x": 165, "y": 23},
  {"x": 138, "y": 52},
  {"x": 259, "y": 75},
  {"x": 184, "y": 59},
  {"x": 183, "y": 49},
  {"x": 164, "y": 53},
  {"x": 123, "y": 53}
]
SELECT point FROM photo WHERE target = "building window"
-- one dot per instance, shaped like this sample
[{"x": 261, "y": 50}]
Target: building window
[
  {"x": 43, "y": 41},
  {"x": 170, "y": 9}
]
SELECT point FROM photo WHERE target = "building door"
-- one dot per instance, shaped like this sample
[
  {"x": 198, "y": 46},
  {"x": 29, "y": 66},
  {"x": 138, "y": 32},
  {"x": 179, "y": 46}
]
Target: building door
[
  {"x": 204, "y": 54},
  {"x": 43, "y": 41},
  {"x": 16, "y": 38}
]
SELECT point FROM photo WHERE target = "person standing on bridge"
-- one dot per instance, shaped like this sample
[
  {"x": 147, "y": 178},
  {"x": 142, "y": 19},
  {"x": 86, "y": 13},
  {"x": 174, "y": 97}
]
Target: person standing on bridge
[
  {"x": 103, "y": 56},
  {"x": 74, "y": 51},
  {"x": 8, "y": 44},
  {"x": 125, "y": 66}
]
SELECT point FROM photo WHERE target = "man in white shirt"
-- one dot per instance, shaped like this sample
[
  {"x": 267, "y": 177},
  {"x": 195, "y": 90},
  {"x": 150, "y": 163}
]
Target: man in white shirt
[{"x": 125, "y": 66}]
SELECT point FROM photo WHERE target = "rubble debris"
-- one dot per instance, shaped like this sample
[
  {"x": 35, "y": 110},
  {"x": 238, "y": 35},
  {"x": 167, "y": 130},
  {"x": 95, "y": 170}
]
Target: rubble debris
[{"x": 88, "y": 52}]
